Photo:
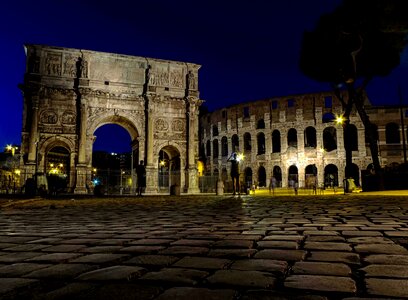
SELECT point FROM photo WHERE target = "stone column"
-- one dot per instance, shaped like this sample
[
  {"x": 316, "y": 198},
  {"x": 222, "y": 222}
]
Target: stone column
[
  {"x": 320, "y": 166},
  {"x": 362, "y": 150},
  {"x": 82, "y": 134},
  {"x": 229, "y": 142},
  {"x": 301, "y": 175},
  {"x": 81, "y": 168},
  {"x": 254, "y": 147},
  {"x": 32, "y": 147},
  {"x": 212, "y": 155},
  {"x": 192, "y": 178},
  {"x": 301, "y": 141},
  {"x": 240, "y": 137},
  {"x": 151, "y": 170},
  {"x": 284, "y": 170}
]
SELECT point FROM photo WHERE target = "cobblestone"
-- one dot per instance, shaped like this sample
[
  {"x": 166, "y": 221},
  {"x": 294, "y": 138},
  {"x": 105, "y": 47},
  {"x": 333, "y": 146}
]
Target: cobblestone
[
  {"x": 202, "y": 263},
  {"x": 195, "y": 247},
  {"x": 17, "y": 270},
  {"x": 100, "y": 258},
  {"x": 390, "y": 271},
  {"x": 344, "y": 257},
  {"x": 288, "y": 255},
  {"x": 387, "y": 287},
  {"x": 387, "y": 259},
  {"x": 11, "y": 284},
  {"x": 321, "y": 283},
  {"x": 187, "y": 293},
  {"x": 18, "y": 257},
  {"x": 320, "y": 268},
  {"x": 60, "y": 271},
  {"x": 267, "y": 265},
  {"x": 176, "y": 275},
  {"x": 152, "y": 260},
  {"x": 381, "y": 248},
  {"x": 327, "y": 246},
  {"x": 123, "y": 273},
  {"x": 278, "y": 244},
  {"x": 249, "y": 279}
]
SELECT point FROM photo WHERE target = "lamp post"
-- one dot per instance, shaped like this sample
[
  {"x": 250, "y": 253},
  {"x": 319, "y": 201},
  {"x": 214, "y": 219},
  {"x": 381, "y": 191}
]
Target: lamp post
[{"x": 121, "y": 186}]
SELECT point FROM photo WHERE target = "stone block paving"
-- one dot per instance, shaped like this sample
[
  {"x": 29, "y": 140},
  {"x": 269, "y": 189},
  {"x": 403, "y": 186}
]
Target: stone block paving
[{"x": 205, "y": 247}]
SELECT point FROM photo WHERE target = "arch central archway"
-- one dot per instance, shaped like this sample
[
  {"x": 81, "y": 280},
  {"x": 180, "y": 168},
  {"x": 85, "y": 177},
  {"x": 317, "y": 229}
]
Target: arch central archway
[{"x": 114, "y": 157}]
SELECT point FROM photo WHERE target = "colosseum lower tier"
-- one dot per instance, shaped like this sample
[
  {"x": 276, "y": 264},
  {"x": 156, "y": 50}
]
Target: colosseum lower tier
[{"x": 296, "y": 140}]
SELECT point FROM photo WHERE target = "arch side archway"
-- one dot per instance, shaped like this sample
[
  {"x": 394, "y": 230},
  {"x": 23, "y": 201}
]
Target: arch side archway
[{"x": 46, "y": 146}]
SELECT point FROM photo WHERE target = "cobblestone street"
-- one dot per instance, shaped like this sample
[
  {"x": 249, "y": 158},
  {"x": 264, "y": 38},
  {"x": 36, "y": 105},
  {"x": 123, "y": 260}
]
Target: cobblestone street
[{"x": 205, "y": 247}]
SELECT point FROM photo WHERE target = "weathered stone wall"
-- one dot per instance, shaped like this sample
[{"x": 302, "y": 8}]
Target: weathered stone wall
[{"x": 283, "y": 114}]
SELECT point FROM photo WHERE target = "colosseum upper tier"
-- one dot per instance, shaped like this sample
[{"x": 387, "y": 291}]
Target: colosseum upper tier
[{"x": 296, "y": 139}]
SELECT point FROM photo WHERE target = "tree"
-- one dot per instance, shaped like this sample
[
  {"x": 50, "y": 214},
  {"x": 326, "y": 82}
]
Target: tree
[{"x": 360, "y": 40}]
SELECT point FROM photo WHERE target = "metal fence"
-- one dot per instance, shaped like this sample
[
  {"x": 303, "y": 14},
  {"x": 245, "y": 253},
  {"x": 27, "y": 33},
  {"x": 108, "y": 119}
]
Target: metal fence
[
  {"x": 208, "y": 183},
  {"x": 167, "y": 179},
  {"x": 113, "y": 182}
]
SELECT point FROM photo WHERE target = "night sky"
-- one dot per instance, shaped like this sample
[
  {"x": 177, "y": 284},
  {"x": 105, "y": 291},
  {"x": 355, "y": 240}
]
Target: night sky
[{"x": 248, "y": 49}]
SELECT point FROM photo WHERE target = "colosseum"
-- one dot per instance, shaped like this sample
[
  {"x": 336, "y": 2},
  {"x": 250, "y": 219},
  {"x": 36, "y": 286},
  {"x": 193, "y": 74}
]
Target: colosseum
[{"x": 296, "y": 140}]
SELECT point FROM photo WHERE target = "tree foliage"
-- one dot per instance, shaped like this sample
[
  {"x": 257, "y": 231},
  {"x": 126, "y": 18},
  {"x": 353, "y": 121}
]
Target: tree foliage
[{"x": 360, "y": 40}]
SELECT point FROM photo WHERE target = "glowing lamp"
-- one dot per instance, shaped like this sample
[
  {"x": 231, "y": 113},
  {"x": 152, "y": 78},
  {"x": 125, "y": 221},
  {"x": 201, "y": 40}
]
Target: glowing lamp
[
  {"x": 339, "y": 119},
  {"x": 240, "y": 157}
]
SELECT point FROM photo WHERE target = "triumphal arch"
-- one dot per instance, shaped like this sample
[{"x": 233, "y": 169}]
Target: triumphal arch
[{"x": 69, "y": 93}]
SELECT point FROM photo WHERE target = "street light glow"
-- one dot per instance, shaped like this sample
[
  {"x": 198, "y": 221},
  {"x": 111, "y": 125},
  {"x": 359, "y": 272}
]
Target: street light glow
[
  {"x": 240, "y": 156},
  {"x": 339, "y": 119}
]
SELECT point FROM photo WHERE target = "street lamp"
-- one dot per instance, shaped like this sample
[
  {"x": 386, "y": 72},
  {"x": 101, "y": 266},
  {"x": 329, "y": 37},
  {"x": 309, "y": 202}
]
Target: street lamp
[
  {"x": 340, "y": 119},
  {"x": 240, "y": 157},
  {"x": 11, "y": 149}
]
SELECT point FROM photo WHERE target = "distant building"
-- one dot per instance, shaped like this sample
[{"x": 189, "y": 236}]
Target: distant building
[
  {"x": 295, "y": 139},
  {"x": 9, "y": 170}
]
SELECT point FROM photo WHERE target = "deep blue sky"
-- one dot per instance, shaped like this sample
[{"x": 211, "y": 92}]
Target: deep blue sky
[{"x": 248, "y": 49}]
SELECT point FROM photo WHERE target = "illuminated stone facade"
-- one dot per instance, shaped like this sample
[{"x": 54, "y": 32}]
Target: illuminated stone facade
[
  {"x": 69, "y": 93},
  {"x": 295, "y": 138}
]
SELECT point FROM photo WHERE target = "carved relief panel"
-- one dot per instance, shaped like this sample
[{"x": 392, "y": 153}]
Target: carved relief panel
[
  {"x": 161, "y": 125},
  {"x": 53, "y": 64},
  {"x": 178, "y": 125},
  {"x": 48, "y": 116},
  {"x": 158, "y": 76},
  {"x": 176, "y": 78},
  {"x": 68, "y": 118},
  {"x": 70, "y": 68}
]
